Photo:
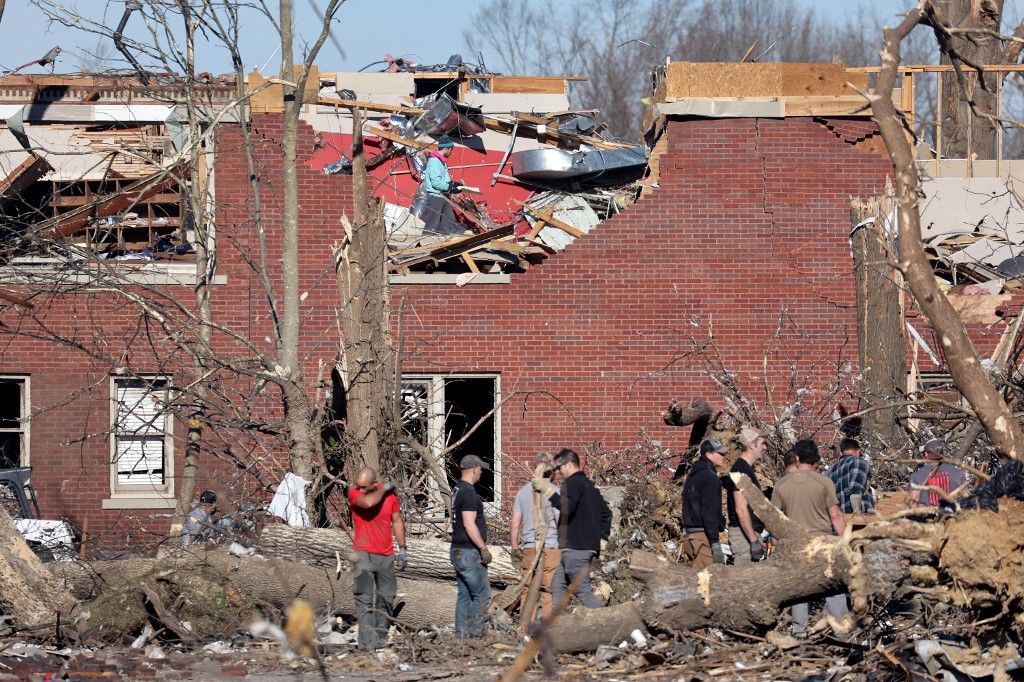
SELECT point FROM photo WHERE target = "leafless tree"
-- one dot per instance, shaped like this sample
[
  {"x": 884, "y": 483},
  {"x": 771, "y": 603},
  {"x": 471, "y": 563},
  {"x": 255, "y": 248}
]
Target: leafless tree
[{"x": 961, "y": 356}]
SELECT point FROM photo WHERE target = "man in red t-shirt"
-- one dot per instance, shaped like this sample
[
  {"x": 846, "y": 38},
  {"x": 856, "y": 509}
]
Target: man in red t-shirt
[{"x": 375, "y": 516}]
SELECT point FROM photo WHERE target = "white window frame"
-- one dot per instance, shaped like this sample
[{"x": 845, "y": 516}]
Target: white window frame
[
  {"x": 25, "y": 421},
  {"x": 436, "y": 417},
  {"x": 143, "y": 494}
]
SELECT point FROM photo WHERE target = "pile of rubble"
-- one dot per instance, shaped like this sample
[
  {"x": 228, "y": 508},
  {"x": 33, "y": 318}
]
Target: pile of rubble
[{"x": 568, "y": 174}]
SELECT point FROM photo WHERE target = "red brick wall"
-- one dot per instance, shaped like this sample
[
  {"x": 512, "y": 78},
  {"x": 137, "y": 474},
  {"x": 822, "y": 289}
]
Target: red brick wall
[
  {"x": 751, "y": 219},
  {"x": 70, "y": 449}
]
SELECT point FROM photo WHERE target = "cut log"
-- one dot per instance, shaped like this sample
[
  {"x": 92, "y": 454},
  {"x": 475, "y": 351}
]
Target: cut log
[
  {"x": 28, "y": 592},
  {"x": 274, "y": 582},
  {"x": 428, "y": 558}
]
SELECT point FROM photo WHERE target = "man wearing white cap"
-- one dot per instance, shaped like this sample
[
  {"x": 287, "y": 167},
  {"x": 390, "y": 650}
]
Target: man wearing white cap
[{"x": 744, "y": 526}]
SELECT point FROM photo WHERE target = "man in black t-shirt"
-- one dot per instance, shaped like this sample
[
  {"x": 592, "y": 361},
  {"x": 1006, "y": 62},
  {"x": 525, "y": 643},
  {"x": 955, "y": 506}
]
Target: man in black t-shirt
[
  {"x": 469, "y": 554},
  {"x": 744, "y": 526}
]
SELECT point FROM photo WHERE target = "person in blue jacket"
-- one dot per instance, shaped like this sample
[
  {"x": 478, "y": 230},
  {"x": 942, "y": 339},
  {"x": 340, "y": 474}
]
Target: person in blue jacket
[{"x": 439, "y": 217}]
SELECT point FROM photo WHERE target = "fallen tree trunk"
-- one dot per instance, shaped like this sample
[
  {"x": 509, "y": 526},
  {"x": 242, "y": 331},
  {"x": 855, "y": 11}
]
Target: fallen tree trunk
[
  {"x": 428, "y": 558},
  {"x": 28, "y": 591},
  {"x": 751, "y": 598},
  {"x": 273, "y": 582}
]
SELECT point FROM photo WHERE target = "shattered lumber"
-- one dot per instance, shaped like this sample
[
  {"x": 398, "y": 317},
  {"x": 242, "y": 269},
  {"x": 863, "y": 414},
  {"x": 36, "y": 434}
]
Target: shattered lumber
[
  {"x": 274, "y": 582},
  {"x": 428, "y": 558},
  {"x": 28, "y": 592},
  {"x": 453, "y": 247}
]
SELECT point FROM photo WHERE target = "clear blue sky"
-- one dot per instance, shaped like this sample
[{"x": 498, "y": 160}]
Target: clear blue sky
[{"x": 428, "y": 32}]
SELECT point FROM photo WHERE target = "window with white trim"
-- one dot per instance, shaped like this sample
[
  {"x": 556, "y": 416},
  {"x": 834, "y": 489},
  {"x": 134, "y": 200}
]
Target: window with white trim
[
  {"x": 439, "y": 411},
  {"x": 141, "y": 439},
  {"x": 14, "y": 411}
]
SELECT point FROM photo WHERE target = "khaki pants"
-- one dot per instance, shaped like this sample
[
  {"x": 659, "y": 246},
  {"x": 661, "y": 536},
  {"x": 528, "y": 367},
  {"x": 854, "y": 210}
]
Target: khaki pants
[
  {"x": 550, "y": 562},
  {"x": 697, "y": 549}
]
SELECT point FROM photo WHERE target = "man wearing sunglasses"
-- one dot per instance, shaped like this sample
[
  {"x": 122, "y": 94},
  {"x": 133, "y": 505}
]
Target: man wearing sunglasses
[{"x": 375, "y": 517}]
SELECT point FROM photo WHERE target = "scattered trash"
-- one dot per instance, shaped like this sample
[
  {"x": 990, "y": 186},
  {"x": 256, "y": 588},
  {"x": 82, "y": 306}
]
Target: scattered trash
[{"x": 239, "y": 549}]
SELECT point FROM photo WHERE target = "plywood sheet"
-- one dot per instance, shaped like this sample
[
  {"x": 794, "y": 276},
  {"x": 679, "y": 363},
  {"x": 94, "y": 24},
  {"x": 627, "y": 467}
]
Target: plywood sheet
[
  {"x": 769, "y": 79},
  {"x": 528, "y": 84},
  {"x": 684, "y": 80},
  {"x": 819, "y": 79}
]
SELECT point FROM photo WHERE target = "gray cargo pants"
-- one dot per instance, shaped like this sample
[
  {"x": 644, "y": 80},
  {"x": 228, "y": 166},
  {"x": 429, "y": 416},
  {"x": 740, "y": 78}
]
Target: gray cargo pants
[
  {"x": 375, "y": 573},
  {"x": 573, "y": 562}
]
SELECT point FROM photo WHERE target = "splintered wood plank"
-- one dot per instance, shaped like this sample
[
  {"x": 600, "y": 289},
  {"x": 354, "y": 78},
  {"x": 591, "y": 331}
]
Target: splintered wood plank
[
  {"x": 528, "y": 84},
  {"x": 398, "y": 139},
  {"x": 27, "y": 172},
  {"x": 470, "y": 263},
  {"x": 546, "y": 214},
  {"x": 370, "y": 106},
  {"x": 458, "y": 246}
]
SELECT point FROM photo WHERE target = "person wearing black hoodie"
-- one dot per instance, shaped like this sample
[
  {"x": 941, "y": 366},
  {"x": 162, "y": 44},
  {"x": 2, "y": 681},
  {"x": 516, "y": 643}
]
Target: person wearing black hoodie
[
  {"x": 584, "y": 521},
  {"x": 702, "y": 507}
]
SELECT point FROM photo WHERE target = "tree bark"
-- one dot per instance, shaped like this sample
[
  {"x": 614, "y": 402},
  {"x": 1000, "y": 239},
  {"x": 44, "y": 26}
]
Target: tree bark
[
  {"x": 964, "y": 131},
  {"x": 881, "y": 338},
  {"x": 28, "y": 592},
  {"x": 961, "y": 356},
  {"x": 296, "y": 402},
  {"x": 274, "y": 582},
  {"x": 187, "y": 481},
  {"x": 366, "y": 353},
  {"x": 745, "y": 598},
  {"x": 678, "y": 415},
  {"x": 428, "y": 558}
]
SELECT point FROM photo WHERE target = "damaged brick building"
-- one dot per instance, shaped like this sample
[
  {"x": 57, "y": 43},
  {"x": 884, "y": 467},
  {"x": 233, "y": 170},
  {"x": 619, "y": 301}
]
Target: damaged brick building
[{"x": 737, "y": 252}]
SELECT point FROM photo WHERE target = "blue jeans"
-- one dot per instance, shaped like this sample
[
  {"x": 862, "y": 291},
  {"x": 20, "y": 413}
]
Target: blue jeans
[{"x": 474, "y": 592}]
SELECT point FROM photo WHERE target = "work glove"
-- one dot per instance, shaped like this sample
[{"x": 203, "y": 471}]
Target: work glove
[
  {"x": 543, "y": 485},
  {"x": 517, "y": 556},
  {"x": 454, "y": 187},
  {"x": 757, "y": 551},
  {"x": 389, "y": 486},
  {"x": 402, "y": 560},
  {"x": 604, "y": 545},
  {"x": 485, "y": 556},
  {"x": 718, "y": 553}
]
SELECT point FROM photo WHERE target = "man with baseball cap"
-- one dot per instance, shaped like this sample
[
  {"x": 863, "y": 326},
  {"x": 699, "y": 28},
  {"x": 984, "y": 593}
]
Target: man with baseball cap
[
  {"x": 702, "y": 507},
  {"x": 744, "y": 526},
  {"x": 469, "y": 554},
  {"x": 809, "y": 499},
  {"x": 933, "y": 475},
  {"x": 199, "y": 522}
]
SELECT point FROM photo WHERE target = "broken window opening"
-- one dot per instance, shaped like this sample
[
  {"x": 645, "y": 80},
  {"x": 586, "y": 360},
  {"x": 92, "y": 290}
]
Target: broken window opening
[
  {"x": 141, "y": 443},
  {"x": 14, "y": 410},
  {"x": 105, "y": 197},
  {"x": 440, "y": 410}
]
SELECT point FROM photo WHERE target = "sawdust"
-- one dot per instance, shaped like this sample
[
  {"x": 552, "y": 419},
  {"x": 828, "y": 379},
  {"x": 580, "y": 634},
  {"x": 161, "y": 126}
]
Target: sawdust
[{"x": 984, "y": 552}]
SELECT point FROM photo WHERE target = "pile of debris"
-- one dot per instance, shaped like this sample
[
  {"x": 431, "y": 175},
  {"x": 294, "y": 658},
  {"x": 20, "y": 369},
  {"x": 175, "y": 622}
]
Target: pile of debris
[{"x": 571, "y": 175}]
